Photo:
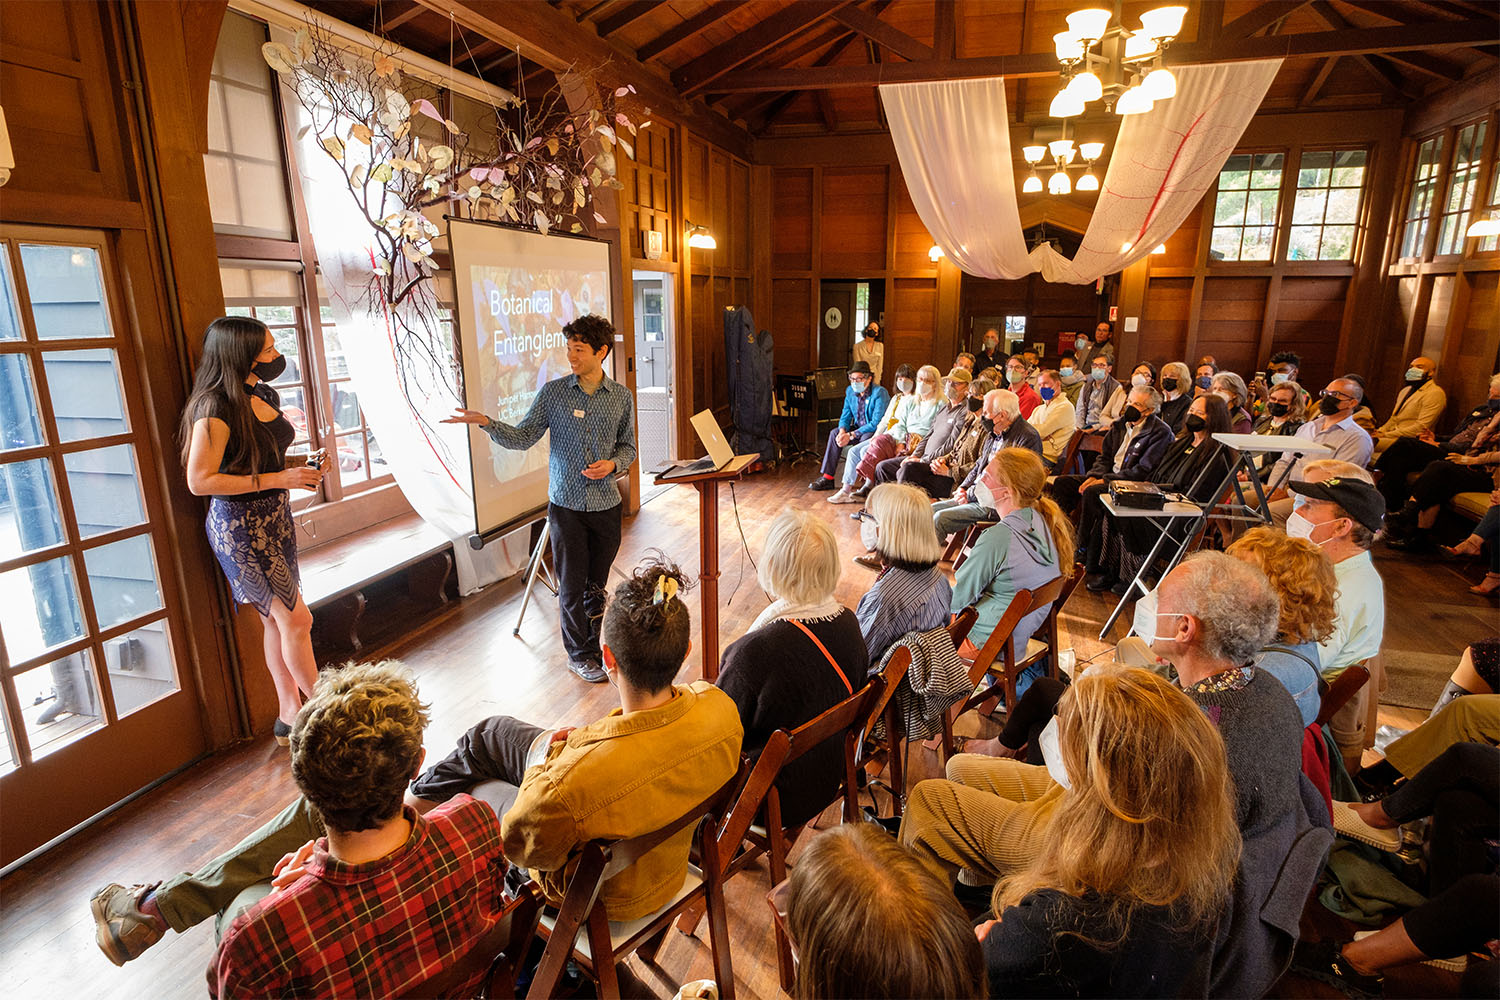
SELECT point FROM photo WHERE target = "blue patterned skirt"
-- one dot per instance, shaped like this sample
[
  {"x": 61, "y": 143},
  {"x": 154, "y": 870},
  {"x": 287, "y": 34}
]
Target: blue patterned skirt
[{"x": 256, "y": 544}]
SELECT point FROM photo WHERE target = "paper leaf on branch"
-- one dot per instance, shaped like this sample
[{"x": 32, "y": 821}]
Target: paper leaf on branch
[
  {"x": 600, "y": 219},
  {"x": 629, "y": 149},
  {"x": 397, "y": 106},
  {"x": 442, "y": 157},
  {"x": 552, "y": 147},
  {"x": 412, "y": 254},
  {"x": 475, "y": 193},
  {"x": 401, "y": 129},
  {"x": 607, "y": 132},
  {"x": 553, "y": 183},
  {"x": 381, "y": 173},
  {"x": 541, "y": 222},
  {"x": 479, "y": 173},
  {"x": 303, "y": 131},
  {"x": 384, "y": 65},
  {"x": 357, "y": 175},
  {"x": 335, "y": 147},
  {"x": 621, "y": 91},
  {"x": 425, "y": 107},
  {"x": 576, "y": 228},
  {"x": 534, "y": 197},
  {"x": 300, "y": 46},
  {"x": 578, "y": 195},
  {"x": 452, "y": 127},
  {"x": 360, "y": 131},
  {"x": 279, "y": 57}
]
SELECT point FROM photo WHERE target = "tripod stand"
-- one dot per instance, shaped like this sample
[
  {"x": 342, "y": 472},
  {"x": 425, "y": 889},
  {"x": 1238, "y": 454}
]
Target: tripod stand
[{"x": 536, "y": 568}]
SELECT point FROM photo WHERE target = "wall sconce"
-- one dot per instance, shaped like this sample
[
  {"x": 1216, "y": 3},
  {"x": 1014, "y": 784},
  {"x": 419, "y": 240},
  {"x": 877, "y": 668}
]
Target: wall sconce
[
  {"x": 1161, "y": 248},
  {"x": 935, "y": 253},
  {"x": 699, "y": 238},
  {"x": 1488, "y": 226}
]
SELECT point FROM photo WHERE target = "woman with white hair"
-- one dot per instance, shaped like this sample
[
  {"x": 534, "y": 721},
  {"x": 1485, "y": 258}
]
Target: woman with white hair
[
  {"x": 1235, "y": 393},
  {"x": 1176, "y": 394},
  {"x": 802, "y": 655},
  {"x": 911, "y": 594},
  {"x": 907, "y": 421}
]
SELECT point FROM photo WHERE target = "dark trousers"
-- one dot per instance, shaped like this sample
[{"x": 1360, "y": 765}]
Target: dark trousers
[
  {"x": 1442, "y": 480},
  {"x": 833, "y": 450},
  {"x": 1033, "y": 711},
  {"x": 920, "y": 475},
  {"x": 1064, "y": 490},
  {"x": 887, "y": 471},
  {"x": 1458, "y": 920},
  {"x": 494, "y": 750},
  {"x": 1460, "y": 790},
  {"x": 1404, "y": 457},
  {"x": 584, "y": 544}
]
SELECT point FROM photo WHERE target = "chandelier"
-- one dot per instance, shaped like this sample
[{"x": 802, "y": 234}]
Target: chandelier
[
  {"x": 1127, "y": 71},
  {"x": 1064, "y": 152}
]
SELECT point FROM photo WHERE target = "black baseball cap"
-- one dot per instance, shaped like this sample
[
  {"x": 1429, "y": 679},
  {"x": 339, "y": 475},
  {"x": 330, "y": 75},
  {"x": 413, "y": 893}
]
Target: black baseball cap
[
  {"x": 861, "y": 368},
  {"x": 1362, "y": 501}
]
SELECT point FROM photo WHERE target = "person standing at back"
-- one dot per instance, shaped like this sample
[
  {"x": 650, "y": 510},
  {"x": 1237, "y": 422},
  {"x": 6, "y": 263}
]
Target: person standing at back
[
  {"x": 592, "y": 421},
  {"x": 871, "y": 350}
]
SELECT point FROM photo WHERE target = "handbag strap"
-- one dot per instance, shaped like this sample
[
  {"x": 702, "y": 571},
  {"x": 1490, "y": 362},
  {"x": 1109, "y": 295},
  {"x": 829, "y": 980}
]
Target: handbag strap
[
  {"x": 1277, "y": 647},
  {"x": 832, "y": 662}
]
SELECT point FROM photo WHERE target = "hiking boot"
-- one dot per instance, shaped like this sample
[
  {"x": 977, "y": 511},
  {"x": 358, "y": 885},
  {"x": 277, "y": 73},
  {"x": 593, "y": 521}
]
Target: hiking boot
[{"x": 121, "y": 929}]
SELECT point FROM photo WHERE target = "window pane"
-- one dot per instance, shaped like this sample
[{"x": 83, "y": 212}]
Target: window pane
[
  {"x": 1225, "y": 244},
  {"x": 352, "y": 467},
  {"x": 106, "y": 489},
  {"x": 1235, "y": 176},
  {"x": 20, "y": 423},
  {"x": 378, "y": 466},
  {"x": 1303, "y": 244},
  {"x": 29, "y": 512},
  {"x": 1267, "y": 172},
  {"x": 122, "y": 577},
  {"x": 60, "y": 702},
  {"x": 333, "y": 352},
  {"x": 1258, "y": 243},
  {"x": 67, "y": 298},
  {"x": 10, "y": 316},
  {"x": 1314, "y": 170},
  {"x": 85, "y": 390},
  {"x": 39, "y": 608},
  {"x": 290, "y": 348},
  {"x": 345, "y": 407},
  {"x": 1349, "y": 168},
  {"x": 1308, "y": 207},
  {"x": 1229, "y": 208},
  {"x": 140, "y": 667},
  {"x": 1261, "y": 209},
  {"x": 293, "y": 405},
  {"x": 1343, "y": 206},
  {"x": 1338, "y": 243}
]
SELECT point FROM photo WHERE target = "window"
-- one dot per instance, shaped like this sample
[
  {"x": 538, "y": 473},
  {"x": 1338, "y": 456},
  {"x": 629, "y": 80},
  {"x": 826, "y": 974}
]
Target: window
[
  {"x": 1490, "y": 243},
  {"x": 1463, "y": 186},
  {"x": 861, "y": 307},
  {"x": 353, "y": 450},
  {"x": 1326, "y": 209},
  {"x": 1249, "y": 194},
  {"x": 246, "y": 176},
  {"x": 1419, "y": 205}
]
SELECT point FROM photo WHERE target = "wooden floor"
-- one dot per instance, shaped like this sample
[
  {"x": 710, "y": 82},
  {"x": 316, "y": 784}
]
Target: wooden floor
[{"x": 470, "y": 667}]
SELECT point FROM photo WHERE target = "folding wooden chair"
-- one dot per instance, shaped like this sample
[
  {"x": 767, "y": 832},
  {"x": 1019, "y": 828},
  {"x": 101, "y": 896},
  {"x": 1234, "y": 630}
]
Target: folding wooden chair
[
  {"x": 1344, "y": 687},
  {"x": 982, "y": 663},
  {"x": 496, "y": 955},
  {"x": 1069, "y": 459},
  {"x": 971, "y": 536},
  {"x": 606, "y": 942},
  {"x": 890, "y": 748}
]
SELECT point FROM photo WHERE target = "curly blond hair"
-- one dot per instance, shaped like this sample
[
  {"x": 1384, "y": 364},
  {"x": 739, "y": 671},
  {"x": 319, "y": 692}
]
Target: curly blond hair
[{"x": 1302, "y": 576}]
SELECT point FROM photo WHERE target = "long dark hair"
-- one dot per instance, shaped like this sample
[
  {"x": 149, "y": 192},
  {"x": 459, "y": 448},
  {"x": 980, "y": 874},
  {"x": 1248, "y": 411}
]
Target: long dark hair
[{"x": 230, "y": 347}]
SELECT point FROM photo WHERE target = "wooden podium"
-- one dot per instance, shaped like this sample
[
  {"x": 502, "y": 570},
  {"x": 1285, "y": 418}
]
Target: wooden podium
[{"x": 707, "y": 484}]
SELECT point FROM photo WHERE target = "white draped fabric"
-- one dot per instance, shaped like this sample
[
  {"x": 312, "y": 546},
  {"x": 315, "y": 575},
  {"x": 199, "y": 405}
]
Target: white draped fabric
[
  {"x": 953, "y": 141},
  {"x": 430, "y": 460}
]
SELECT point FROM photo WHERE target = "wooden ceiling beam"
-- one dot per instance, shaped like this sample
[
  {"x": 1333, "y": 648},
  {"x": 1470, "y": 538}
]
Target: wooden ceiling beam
[
  {"x": 1261, "y": 16},
  {"x": 1210, "y": 20},
  {"x": 552, "y": 39},
  {"x": 878, "y": 31},
  {"x": 699, "y": 73},
  {"x": 627, "y": 15},
  {"x": 706, "y": 18},
  {"x": 945, "y": 29},
  {"x": 1308, "y": 45},
  {"x": 1316, "y": 87},
  {"x": 778, "y": 103},
  {"x": 404, "y": 12},
  {"x": 1386, "y": 75},
  {"x": 1427, "y": 64}
]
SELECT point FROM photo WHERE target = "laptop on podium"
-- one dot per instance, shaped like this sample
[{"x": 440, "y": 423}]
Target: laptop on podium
[{"x": 719, "y": 452}]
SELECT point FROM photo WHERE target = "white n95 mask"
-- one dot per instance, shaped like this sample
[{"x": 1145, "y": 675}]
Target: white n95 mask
[
  {"x": 983, "y": 496},
  {"x": 867, "y": 535}
]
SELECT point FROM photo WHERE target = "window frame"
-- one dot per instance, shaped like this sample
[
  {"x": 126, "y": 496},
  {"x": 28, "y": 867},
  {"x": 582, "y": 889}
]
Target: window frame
[
  {"x": 1474, "y": 180},
  {"x": 1279, "y": 225},
  {"x": 1423, "y": 252},
  {"x": 1355, "y": 248}
]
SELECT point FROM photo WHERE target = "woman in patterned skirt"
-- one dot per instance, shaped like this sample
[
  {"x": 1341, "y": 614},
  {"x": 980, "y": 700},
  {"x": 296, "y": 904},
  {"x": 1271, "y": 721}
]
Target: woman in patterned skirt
[{"x": 234, "y": 441}]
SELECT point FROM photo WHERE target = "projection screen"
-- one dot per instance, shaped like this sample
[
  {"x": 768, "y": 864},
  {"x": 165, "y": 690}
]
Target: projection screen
[{"x": 515, "y": 290}]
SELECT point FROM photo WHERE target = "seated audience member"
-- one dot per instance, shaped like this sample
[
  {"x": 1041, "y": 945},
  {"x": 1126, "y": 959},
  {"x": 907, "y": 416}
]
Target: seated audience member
[
  {"x": 911, "y": 594},
  {"x": 964, "y": 360},
  {"x": 802, "y": 655},
  {"x": 870, "y": 349},
  {"x": 946, "y": 427},
  {"x": 1029, "y": 546},
  {"x": 865, "y": 919},
  {"x": 1195, "y": 465},
  {"x": 1478, "y": 672},
  {"x": 1132, "y": 450},
  {"x": 1419, "y": 404},
  {"x": 1474, "y": 718},
  {"x": 1092, "y": 409},
  {"x": 1144, "y": 376},
  {"x": 990, "y": 354},
  {"x": 1408, "y": 456},
  {"x": 1007, "y": 429},
  {"x": 1285, "y": 411},
  {"x": 1232, "y": 389},
  {"x": 1101, "y": 345},
  {"x": 1486, "y": 532},
  {"x": 1476, "y": 470},
  {"x": 864, "y": 403},
  {"x": 907, "y": 421},
  {"x": 1341, "y": 513},
  {"x": 939, "y": 476},
  {"x": 559, "y": 789},
  {"x": 1176, "y": 394},
  {"x": 1203, "y": 375},
  {"x": 1460, "y": 790},
  {"x": 374, "y": 864},
  {"x": 895, "y": 408},
  {"x": 1363, "y": 416},
  {"x": 1285, "y": 366},
  {"x": 1017, "y": 371},
  {"x": 1332, "y": 427},
  {"x": 1123, "y": 894},
  {"x": 1071, "y": 375},
  {"x": 1053, "y": 420},
  {"x": 1303, "y": 578}
]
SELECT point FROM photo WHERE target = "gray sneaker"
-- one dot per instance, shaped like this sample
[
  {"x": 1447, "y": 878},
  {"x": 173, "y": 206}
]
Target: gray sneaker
[
  {"x": 589, "y": 671},
  {"x": 122, "y": 931}
]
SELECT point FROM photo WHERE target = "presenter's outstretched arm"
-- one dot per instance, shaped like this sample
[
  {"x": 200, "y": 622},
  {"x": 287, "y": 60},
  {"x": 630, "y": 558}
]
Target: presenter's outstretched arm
[{"x": 520, "y": 437}]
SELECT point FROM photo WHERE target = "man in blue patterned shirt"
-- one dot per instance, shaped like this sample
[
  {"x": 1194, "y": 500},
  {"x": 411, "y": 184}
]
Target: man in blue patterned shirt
[{"x": 592, "y": 420}]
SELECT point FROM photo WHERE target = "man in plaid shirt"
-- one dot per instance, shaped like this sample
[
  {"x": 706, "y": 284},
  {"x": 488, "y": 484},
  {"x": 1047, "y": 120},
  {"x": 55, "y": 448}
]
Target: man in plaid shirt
[{"x": 387, "y": 899}]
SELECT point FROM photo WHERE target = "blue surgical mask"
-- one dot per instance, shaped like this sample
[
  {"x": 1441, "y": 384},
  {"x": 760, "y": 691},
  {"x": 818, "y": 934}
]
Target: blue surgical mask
[
  {"x": 1099, "y": 374},
  {"x": 1082, "y": 344},
  {"x": 1279, "y": 377},
  {"x": 1066, "y": 371},
  {"x": 1203, "y": 381},
  {"x": 1047, "y": 392},
  {"x": 1415, "y": 375}
]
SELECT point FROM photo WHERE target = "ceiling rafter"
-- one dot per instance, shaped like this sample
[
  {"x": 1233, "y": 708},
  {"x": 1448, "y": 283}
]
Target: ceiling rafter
[
  {"x": 1261, "y": 16},
  {"x": 1319, "y": 79},
  {"x": 945, "y": 29},
  {"x": 878, "y": 31},
  {"x": 785, "y": 23},
  {"x": 706, "y": 18},
  {"x": 779, "y": 102},
  {"x": 387, "y": 22},
  {"x": 1390, "y": 79},
  {"x": 627, "y": 15}
]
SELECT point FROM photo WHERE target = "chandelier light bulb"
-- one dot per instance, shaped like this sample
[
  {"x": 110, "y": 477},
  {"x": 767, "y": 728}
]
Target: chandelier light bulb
[
  {"x": 1134, "y": 101},
  {"x": 1032, "y": 185},
  {"x": 1163, "y": 22},
  {"x": 1089, "y": 24},
  {"x": 1139, "y": 46},
  {"x": 1088, "y": 182},
  {"x": 1087, "y": 86},
  {"x": 1033, "y": 154},
  {"x": 1059, "y": 183},
  {"x": 1091, "y": 151},
  {"x": 1066, "y": 105},
  {"x": 1160, "y": 84},
  {"x": 1060, "y": 148},
  {"x": 1069, "y": 47}
]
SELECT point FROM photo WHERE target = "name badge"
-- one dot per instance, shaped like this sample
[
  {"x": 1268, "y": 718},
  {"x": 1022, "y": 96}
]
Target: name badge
[{"x": 578, "y": 414}]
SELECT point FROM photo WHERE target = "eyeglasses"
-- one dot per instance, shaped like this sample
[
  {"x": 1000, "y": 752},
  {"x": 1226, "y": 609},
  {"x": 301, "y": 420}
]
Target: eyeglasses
[
  {"x": 863, "y": 514},
  {"x": 1335, "y": 394}
]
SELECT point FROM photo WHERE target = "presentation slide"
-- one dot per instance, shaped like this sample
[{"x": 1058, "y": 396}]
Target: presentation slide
[{"x": 515, "y": 291}]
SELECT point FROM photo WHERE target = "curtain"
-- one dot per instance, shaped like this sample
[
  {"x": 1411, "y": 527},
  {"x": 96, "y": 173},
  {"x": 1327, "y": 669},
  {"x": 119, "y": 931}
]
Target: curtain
[{"x": 953, "y": 142}]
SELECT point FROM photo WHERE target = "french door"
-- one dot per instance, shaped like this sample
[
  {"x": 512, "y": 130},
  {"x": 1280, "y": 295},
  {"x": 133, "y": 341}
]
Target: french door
[{"x": 95, "y": 701}]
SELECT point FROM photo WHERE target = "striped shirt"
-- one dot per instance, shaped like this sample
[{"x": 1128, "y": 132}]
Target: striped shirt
[
  {"x": 585, "y": 428},
  {"x": 902, "y": 601}
]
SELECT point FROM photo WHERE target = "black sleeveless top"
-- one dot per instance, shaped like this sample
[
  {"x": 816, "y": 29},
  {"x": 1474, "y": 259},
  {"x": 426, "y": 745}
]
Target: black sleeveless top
[{"x": 274, "y": 437}]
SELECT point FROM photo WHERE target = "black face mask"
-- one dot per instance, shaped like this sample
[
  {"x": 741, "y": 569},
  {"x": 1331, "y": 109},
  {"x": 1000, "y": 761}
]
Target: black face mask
[
  {"x": 1279, "y": 409},
  {"x": 975, "y": 403},
  {"x": 989, "y": 425},
  {"x": 1132, "y": 414},
  {"x": 1493, "y": 404},
  {"x": 1195, "y": 423},
  {"x": 1328, "y": 406},
  {"x": 1169, "y": 384},
  {"x": 269, "y": 371},
  {"x": 872, "y": 334}
]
